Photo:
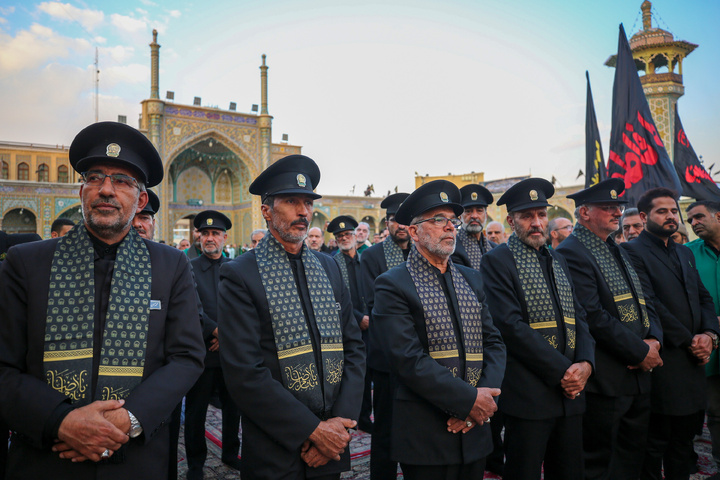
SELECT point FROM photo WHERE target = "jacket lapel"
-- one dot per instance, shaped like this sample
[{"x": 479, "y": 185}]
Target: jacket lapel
[{"x": 655, "y": 250}]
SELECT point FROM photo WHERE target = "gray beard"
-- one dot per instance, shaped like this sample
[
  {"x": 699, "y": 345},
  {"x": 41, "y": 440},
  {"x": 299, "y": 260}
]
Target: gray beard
[
  {"x": 108, "y": 231},
  {"x": 473, "y": 228}
]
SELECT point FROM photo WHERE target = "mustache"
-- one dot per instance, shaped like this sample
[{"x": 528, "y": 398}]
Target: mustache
[
  {"x": 536, "y": 230},
  {"x": 300, "y": 221},
  {"x": 107, "y": 200}
]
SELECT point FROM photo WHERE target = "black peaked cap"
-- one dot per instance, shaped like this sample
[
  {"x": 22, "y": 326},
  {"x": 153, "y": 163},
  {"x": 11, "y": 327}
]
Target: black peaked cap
[
  {"x": 438, "y": 193},
  {"x": 118, "y": 143},
  {"x": 607, "y": 191},
  {"x": 291, "y": 174},
  {"x": 475, "y": 196},
  {"x": 341, "y": 224},
  {"x": 528, "y": 193},
  {"x": 212, "y": 219}
]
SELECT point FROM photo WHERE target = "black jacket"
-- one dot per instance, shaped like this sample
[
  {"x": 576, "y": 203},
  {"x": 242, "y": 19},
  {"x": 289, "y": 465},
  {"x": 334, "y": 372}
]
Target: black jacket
[
  {"x": 616, "y": 346},
  {"x": 685, "y": 309},
  {"x": 275, "y": 423},
  {"x": 427, "y": 393},
  {"x": 531, "y": 388},
  {"x": 173, "y": 362}
]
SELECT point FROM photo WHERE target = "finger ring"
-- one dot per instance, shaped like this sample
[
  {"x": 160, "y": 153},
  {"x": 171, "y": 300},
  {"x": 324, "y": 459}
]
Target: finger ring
[
  {"x": 468, "y": 423},
  {"x": 577, "y": 394},
  {"x": 650, "y": 370},
  {"x": 488, "y": 420},
  {"x": 106, "y": 454}
]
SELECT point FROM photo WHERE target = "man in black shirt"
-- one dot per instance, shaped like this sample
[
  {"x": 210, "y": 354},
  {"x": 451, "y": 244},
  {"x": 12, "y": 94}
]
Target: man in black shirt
[{"x": 690, "y": 331}]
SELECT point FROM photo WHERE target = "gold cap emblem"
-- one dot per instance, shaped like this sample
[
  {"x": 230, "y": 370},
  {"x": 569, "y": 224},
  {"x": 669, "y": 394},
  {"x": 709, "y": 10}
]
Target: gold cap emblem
[
  {"x": 112, "y": 150},
  {"x": 342, "y": 225},
  {"x": 301, "y": 180},
  {"x": 533, "y": 195},
  {"x": 209, "y": 221},
  {"x": 613, "y": 194},
  {"x": 444, "y": 197},
  {"x": 473, "y": 196}
]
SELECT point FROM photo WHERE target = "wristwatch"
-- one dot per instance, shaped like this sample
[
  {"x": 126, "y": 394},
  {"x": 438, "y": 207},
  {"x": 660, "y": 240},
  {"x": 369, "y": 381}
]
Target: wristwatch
[
  {"x": 135, "y": 428},
  {"x": 714, "y": 337}
]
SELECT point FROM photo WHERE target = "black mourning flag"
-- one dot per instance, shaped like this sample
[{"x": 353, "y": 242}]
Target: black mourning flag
[
  {"x": 695, "y": 180},
  {"x": 594, "y": 160},
  {"x": 637, "y": 153}
]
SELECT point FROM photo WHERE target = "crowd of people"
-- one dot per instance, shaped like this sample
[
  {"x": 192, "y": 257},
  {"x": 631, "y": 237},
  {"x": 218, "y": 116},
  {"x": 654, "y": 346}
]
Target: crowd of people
[{"x": 574, "y": 351}]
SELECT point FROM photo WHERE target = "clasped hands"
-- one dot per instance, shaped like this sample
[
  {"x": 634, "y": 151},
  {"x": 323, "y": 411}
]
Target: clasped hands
[
  {"x": 327, "y": 442},
  {"x": 481, "y": 411},
  {"x": 574, "y": 379},
  {"x": 86, "y": 432},
  {"x": 701, "y": 347}
]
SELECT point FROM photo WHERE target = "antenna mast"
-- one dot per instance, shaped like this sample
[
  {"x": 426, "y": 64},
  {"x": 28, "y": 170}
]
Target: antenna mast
[{"x": 97, "y": 84}]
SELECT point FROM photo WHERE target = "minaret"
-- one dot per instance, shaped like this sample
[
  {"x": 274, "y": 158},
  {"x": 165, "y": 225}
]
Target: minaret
[
  {"x": 265, "y": 120},
  {"x": 652, "y": 49},
  {"x": 153, "y": 110},
  {"x": 154, "y": 66}
]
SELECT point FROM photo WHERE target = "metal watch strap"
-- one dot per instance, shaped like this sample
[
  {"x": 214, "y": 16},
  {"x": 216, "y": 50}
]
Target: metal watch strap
[{"x": 135, "y": 427}]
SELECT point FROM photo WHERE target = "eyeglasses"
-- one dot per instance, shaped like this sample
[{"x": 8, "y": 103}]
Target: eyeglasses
[
  {"x": 441, "y": 222},
  {"x": 118, "y": 180},
  {"x": 611, "y": 208},
  {"x": 564, "y": 228}
]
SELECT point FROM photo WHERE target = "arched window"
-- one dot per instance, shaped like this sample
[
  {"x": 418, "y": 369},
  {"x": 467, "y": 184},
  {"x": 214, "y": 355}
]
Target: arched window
[
  {"x": 62, "y": 174},
  {"x": 23, "y": 171},
  {"x": 5, "y": 170},
  {"x": 43, "y": 173}
]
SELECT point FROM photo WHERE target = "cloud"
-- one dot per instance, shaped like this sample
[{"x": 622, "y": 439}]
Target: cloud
[
  {"x": 120, "y": 75},
  {"x": 118, "y": 53},
  {"x": 64, "y": 110},
  {"x": 7, "y": 10},
  {"x": 148, "y": 3},
  {"x": 89, "y": 19},
  {"x": 175, "y": 13},
  {"x": 128, "y": 24},
  {"x": 35, "y": 47}
]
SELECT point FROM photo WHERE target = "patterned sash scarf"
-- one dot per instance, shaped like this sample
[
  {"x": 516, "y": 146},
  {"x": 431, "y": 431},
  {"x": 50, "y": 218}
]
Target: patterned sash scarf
[
  {"x": 393, "y": 253},
  {"x": 68, "y": 359},
  {"x": 292, "y": 337},
  {"x": 537, "y": 295},
  {"x": 474, "y": 249},
  {"x": 442, "y": 338},
  {"x": 340, "y": 260},
  {"x": 621, "y": 291}
]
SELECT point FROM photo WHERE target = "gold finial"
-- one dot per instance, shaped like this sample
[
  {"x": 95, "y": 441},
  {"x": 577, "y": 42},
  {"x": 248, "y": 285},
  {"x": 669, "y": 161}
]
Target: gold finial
[
  {"x": 154, "y": 35},
  {"x": 646, "y": 8}
]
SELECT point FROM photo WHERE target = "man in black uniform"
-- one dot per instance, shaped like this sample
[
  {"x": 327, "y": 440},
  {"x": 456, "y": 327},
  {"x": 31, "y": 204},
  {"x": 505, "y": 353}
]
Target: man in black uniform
[
  {"x": 347, "y": 258},
  {"x": 472, "y": 243},
  {"x": 445, "y": 354},
  {"x": 144, "y": 225},
  {"x": 101, "y": 334},
  {"x": 550, "y": 350},
  {"x": 375, "y": 261},
  {"x": 144, "y": 220},
  {"x": 291, "y": 350},
  {"x": 213, "y": 227},
  {"x": 690, "y": 328},
  {"x": 626, "y": 331},
  {"x": 7, "y": 241}
]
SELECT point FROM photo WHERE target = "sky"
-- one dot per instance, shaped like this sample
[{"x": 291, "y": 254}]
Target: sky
[{"x": 372, "y": 91}]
